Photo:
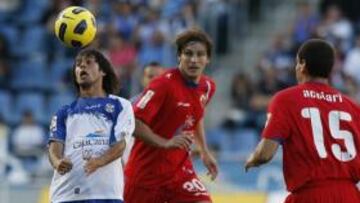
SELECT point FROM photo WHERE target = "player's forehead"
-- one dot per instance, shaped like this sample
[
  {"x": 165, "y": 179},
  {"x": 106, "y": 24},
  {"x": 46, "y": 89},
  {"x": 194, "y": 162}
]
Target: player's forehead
[
  {"x": 85, "y": 56},
  {"x": 195, "y": 46},
  {"x": 152, "y": 69}
]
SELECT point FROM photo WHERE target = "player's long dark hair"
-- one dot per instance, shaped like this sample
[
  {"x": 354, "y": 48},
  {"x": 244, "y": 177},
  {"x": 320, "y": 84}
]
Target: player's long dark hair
[{"x": 110, "y": 81}]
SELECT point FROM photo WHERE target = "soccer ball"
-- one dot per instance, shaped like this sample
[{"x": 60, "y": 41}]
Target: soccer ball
[{"x": 75, "y": 26}]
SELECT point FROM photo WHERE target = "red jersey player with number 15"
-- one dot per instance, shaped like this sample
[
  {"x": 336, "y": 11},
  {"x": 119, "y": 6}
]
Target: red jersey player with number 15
[
  {"x": 169, "y": 115},
  {"x": 319, "y": 130}
]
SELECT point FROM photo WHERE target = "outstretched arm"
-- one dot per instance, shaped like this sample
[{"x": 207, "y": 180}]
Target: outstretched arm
[
  {"x": 263, "y": 153},
  {"x": 208, "y": 159}
]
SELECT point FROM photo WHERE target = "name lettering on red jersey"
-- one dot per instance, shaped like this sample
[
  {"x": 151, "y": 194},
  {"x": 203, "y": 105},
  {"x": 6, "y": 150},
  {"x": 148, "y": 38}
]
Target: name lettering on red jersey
[
  {"x": 322, "y": 96},
  {"x": 145, "y": 99}
]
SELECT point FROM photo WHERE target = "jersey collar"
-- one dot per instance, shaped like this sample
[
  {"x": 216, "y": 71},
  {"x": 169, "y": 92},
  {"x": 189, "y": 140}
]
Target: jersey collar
[{"x": 188, "y": 83}]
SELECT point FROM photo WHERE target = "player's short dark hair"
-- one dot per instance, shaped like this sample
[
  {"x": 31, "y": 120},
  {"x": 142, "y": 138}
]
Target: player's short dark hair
[
  {"x": 110, "y": 81},
  {"x": 319, "y": 57},
  {"x": 152, "y": 63},
  {"x": 193, "y": 35}
]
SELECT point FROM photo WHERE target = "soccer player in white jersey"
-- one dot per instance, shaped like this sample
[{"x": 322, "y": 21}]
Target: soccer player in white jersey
[{"x": 87, "y": 137}]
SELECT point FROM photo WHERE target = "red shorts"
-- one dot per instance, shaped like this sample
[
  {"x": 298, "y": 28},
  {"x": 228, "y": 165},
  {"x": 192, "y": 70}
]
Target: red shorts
[
  {"x": 328, "y": 191},
  {"x": 184, "y": 187}
]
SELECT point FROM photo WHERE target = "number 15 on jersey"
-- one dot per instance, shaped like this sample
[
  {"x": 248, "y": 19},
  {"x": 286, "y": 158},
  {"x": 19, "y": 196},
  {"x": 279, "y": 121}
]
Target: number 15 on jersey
[{"x": 334, "y": 118}]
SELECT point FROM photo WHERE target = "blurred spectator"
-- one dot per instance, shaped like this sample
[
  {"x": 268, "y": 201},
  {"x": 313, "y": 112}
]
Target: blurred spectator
[
  {"x": 240, "y": 113},
  {"x": 122, "y": 54},
  {"x": 9, "y": 5},
  {"x": 214, "y": 16},
  {"x": 125, "y": 19},
  {"x": 222, "y": 28},
  {"x": 4, "y": 48},
  {"x": 241, "y": 91},
  {"x": 4, "y": 134},
  {"x": 28, "y": 139},
  {"x": 350, "y": 8},
  {"x": 102, "y": 10},
  {"x": 352, "y": 62},
  {"x": 334, "y": 26},
  {"x": 123, "y": 57},
  {"x": 151, "y": 71},
  {"x": 145, "y": 30},
  {"x": 4, "y": 74},
  {"x": 305, "y": 24},
  {"x": 337, "y": 75},
  {"x": 279, "y": 57},
  {"x": 254, "y": 10},
  {"x": 265, "y": 88},
  {"x": 352, "y": 89}
]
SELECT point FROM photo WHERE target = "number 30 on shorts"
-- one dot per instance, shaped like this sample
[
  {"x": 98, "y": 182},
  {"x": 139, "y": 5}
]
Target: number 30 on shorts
[{"x": 194, "y": 186}]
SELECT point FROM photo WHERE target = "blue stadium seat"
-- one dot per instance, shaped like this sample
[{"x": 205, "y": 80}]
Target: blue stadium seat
[
  {"x": 34, "y": 102},
  {"x": 29, "y": 15},
  {"x": 214, "y": 136},
  {"x": 11, "y": 34},
  {"x": 32, "y": 41},
  {"x": 30, "y": 75},
  {"x": 237, "y": 143},
  {"x": 6, "y": 106},
  {"x": 57, "y": 101},
  {"x": 246, "y": 140},
  {"x": 58, "y": 71},
  {"x": 4, "y": 16}
]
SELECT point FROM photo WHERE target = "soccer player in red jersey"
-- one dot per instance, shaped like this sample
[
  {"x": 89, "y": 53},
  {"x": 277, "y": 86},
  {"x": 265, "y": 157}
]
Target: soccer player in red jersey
[
  {"x": 319, "y": 131},
  {"x": 169, "y": 116}
]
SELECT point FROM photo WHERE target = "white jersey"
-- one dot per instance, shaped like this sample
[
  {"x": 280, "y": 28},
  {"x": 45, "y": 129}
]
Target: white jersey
[
  {"x": 129, "y": 140},
  {"x": 88, "y": 128}
]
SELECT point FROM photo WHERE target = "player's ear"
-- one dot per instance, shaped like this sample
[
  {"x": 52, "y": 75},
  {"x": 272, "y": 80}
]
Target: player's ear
[
  {"x": 303, "y": 68},
  {"x": 302, "y": 62}
]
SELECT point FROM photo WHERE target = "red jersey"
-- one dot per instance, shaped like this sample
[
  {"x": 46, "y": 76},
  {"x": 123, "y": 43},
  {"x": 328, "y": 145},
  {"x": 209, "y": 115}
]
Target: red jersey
[
  {"x": 319, "y": 130},
  {"x": 168, "y": 106}
]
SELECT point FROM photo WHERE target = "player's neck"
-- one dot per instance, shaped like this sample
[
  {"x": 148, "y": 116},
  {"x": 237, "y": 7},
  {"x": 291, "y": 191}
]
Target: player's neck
[
  {"x": 191, "y": 79},
  {"x": 92, "y": 92},
  {"x": 317, "y": 80}
]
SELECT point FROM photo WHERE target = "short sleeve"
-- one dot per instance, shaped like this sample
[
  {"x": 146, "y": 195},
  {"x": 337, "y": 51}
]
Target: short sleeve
[
  {"x": 125, "y": 123},
  {"x": 211, "y": 90},
  {"x": 58, "y": 126},
  {"x": 277, "y": 125},
  {"x": 151, "y": 100}
]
